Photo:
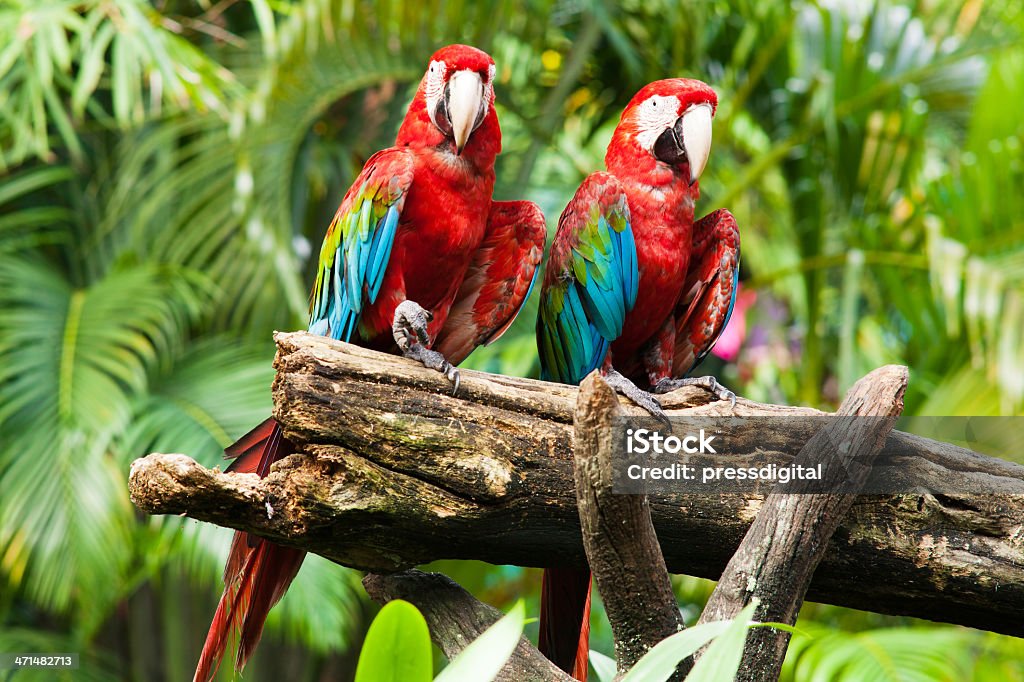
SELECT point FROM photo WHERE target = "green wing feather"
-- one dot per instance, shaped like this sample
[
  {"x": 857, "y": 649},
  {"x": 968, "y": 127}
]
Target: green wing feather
[
  {"x": 357, "y": 248},
  {"x": 591, "y": 283}
]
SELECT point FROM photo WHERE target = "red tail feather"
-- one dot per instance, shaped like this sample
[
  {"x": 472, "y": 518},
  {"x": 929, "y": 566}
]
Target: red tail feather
[
  {"x": 249, "y": 450},
  {"x": 273, "y": 572},
  {"x": 257, "y": 572},
  {"x": 565, "y": 619}
]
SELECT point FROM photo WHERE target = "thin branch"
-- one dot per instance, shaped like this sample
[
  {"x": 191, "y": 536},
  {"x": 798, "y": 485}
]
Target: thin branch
[
  {"x": 622, "y": 547},
  {"x": 790, "y": 534}
]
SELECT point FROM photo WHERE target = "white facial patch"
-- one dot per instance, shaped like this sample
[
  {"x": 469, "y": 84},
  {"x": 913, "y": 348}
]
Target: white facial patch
[
  {"x": 489, "y": 85},
  {"x": 652, "y": 118},
  {"x": 433, "y": 88}
]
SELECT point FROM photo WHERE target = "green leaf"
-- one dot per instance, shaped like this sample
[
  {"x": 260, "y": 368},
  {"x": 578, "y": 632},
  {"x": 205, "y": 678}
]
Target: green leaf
[
  {"x": 660, "y": 662},
  {"x": 73, "y": 361},
  {"x": 604, "y": 666},
  {"x": 484, "y": 657},
  {"x": 782, "y": 626},
  {"x": 92, "y": 66},
  {"x": 722, "y": 659},
  {"x": 397, "y": 646}
]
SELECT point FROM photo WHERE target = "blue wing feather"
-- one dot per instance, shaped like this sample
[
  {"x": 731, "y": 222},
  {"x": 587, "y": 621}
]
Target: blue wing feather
[
  {"x": 380, "y": 253},
  {"x": 629, "y": 268},
  {"x": 583, "y": 308},
  {"x": 352, "y": 275}
]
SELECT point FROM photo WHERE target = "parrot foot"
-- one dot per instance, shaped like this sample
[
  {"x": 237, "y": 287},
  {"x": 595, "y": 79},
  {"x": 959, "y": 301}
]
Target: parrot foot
[
  {"x": 642, "y": 398},
  {"x": 410, "y": 332},
  {"x": 708, "y": 383},
  {"x": 410, "y": 324}
]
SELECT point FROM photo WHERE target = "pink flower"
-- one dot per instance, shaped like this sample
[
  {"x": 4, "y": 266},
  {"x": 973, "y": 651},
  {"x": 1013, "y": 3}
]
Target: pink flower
[{"x": 728, "y": 346}]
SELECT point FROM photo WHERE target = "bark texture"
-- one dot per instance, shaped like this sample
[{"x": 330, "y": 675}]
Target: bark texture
[
  {"x": 778, "y": 555},
  {"x": 394, "y": 471},
  {"x": 618, "y": 535}
]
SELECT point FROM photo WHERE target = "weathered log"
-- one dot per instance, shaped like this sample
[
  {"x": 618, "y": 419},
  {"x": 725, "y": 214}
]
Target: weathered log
[
  {"x": 395, "y": 471},
  {"x": 618, "y": 535},
  {"x": 777, "y": 557}
]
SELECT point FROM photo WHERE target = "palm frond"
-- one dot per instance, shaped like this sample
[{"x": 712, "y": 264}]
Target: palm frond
[
  {"x": 71, "y": 363},
  {"x": 923, "y": 654},
  {"x": 28, "y": 223},
  {"x": 59, "y": 55}
]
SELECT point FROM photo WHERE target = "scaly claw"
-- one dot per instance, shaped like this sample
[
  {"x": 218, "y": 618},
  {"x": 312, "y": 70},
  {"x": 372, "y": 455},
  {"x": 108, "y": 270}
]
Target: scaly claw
[
  {"x": 431, "y": 359},
  {"x": 709, "y": 383},
  {"x": 410, "y": 324},
  {"x": 642, "y": 398},
  {"x": 410, "y": 332}
]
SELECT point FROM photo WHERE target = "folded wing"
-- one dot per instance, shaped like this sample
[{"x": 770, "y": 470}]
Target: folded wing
[
  {"x": 498, "y": 282},
  {"x": 357, "y": 248},
  {"x": 590, "y": 284},
  {"x": 710, "y": 290}
]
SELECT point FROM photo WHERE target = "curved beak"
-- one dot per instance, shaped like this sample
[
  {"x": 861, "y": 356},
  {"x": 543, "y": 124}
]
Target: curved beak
[
  {"x": 464, "y": 101},
  {"x": 688, "y": 139},
  {"x": 695, "y": 130}
]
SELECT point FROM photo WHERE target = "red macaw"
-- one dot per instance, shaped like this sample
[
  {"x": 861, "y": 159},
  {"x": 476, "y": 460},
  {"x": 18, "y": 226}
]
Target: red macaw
[
  {"x": 636, "y": 287},
  {"x": 417, "y": 260}
]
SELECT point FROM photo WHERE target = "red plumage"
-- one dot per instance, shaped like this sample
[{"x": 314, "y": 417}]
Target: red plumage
[
  {"x": 687, "y": 273},
  {"x": 661, "y": 209},
  {"x": 257, "y": 572},
  {"x": 452, "y": 250},
  {"x": 498, "y": 280},
  {"x": 565, "y": 619}
]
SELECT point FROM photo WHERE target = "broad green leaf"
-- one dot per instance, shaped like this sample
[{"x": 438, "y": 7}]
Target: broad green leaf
[
  {"x": 660, "y": 662},
  {"x": 486, "y": 655},
  {"x": 604, "y": 666},
  {"x": 397, "y": 646},
  {"x": 722, "y": 658}
]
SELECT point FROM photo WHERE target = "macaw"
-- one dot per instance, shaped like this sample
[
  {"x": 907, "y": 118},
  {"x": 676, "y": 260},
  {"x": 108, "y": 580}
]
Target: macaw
[
  {"x": 637, "y": 288},
  {"x": 418, "y": 260}
]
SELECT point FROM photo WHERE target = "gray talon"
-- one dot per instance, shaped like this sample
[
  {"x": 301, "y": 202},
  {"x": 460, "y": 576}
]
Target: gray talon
[
  {"x": 410, "y": 332},
  {"x": 410, "y": 324},
  {"x": 642, "y": 398},
  {"x": 708, "y": 383}
]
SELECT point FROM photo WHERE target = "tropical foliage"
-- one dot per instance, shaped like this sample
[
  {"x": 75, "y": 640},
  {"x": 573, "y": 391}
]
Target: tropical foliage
[
  {"x": 397, "y": 648},
  {"x": 168, "y": 168}
]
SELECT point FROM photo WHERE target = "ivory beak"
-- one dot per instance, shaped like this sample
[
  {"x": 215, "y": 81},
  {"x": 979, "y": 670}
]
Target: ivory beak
[
  {"x": 697, "y": 138},
  {"x": 465, "y": 98}
]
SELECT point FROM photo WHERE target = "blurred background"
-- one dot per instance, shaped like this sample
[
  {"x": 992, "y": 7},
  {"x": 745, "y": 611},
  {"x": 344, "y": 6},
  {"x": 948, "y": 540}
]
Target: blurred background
[{"x": 167, "y": 171}]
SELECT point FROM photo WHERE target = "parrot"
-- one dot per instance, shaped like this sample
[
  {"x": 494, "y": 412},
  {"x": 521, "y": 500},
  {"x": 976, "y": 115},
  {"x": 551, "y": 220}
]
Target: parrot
[
  {"x": 636, "y": 288},
  {"x": 418, "y": 261}
]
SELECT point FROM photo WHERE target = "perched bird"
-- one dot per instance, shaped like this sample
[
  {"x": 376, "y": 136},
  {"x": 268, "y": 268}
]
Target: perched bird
[
  {"x": 418, "y": 260},
  {"x": 637, "y": 288}
]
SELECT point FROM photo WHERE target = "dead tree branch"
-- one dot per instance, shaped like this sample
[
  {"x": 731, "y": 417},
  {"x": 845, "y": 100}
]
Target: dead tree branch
[
  {"x": 777, "y": 558},
  {"x": 394, "y": 471},
  {"x": 618, "y": 536}
]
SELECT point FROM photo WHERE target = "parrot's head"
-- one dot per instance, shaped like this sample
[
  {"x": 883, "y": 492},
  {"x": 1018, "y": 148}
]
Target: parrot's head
[
  {"x": 455, "y": 97},
  {"x": 667, "y": 122}
]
